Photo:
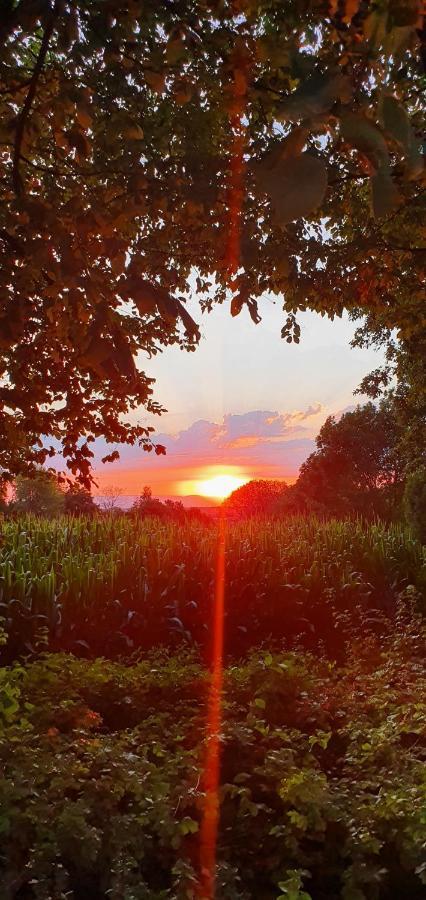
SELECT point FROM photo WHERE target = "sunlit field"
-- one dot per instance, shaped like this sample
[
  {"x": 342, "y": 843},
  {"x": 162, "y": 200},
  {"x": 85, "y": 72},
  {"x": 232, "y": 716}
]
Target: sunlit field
[
  {"x": 319, "y": 724},
  {"x": 114, "y": 585}
]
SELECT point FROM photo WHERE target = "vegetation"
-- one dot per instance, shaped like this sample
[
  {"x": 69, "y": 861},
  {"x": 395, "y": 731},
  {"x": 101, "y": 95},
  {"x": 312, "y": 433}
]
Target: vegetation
[
  {"x": 321, "y": 790},
  {"x": 232, "y": 148},
  {"x": 415, "y": 503},
  {"x": 358, "y": 467},
  {"x": 78, "y": 501},
  {"x": 144, "y": 143},
  {"x": 255, "y": 498},
  {"x": 111, "y": 585},
  {"x": 39, "y": 494}
]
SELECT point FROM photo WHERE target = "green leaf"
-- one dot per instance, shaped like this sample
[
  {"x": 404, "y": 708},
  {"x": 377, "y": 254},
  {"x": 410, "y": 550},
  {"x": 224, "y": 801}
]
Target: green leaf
[
  {"x": 385, "y": 194},
  {"x": 296, "y": 186},
  {"x": 188, "y": 826},
  {"x": 395, "y": 121},
  {"x": 366, "y": 137}
]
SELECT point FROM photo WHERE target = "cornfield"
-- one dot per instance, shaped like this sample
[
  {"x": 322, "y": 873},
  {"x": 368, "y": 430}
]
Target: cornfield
[{"x": 112, "y": 585}]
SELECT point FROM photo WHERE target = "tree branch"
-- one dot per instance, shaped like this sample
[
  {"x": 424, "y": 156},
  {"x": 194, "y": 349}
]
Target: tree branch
[{"x": 25, "y": 111}]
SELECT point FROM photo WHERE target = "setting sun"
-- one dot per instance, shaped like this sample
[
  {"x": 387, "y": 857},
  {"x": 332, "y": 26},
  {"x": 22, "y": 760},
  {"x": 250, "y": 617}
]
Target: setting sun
[{"x": 220, "y": 486}]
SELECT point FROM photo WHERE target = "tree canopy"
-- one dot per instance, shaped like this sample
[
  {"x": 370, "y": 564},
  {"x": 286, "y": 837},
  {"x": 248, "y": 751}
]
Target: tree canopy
[
  {"x": 39, "y": 494},
  {"x": 255, "y": 498},
  {"x": 357, "y": 467},
  {"x": 255, "y": 145}
]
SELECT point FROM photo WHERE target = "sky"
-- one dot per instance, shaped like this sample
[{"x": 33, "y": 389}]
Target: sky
[{"x": 245, "y": 403}]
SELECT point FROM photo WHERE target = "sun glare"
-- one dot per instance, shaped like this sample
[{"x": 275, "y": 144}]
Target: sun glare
[{"x": 220, "y": 486}]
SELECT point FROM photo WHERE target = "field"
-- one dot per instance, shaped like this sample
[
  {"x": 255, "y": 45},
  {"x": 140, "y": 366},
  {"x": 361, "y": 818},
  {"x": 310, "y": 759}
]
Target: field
[
  {"x": 106, "y": 652},
  {"x": 110, "y": 586}
]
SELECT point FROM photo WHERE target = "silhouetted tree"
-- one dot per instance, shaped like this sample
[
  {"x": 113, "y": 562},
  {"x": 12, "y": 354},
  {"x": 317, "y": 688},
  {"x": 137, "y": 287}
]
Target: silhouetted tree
[
  {"x": 147, "y": 505},
  {"x": 356, "y": 468},
  {"x": 79, "y": 502},
  {"x": 255, "y": 498},
  {"x": 110, "y": 497}
]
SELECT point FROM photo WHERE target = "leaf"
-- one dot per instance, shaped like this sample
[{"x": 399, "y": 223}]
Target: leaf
[
  {"x": 405, "y": 12},
  {"x": 296, "y": 186},
  {"x": 351, "y": 9},
  {"x": 396, "y": 121},
  {"x": 366, "y": 137},
  {"x": 83, "y": 115},
  {"x": 175, "y": 50},
  {"x": 97, "y": 352},
  {"x": 375, "y": 27},
  {"x": 314, "y": 98},
  {"x": 123, "y": 358},
  {"x": 134, "y": 133},
  {"x": 385, "y": 194},
  {"x": 155, "y": 80},
  {"x": 78, "y": 141}
]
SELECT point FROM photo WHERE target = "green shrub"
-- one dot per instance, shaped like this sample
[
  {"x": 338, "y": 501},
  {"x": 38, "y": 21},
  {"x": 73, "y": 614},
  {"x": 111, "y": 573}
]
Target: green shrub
[{"x": 321, "y": 776}]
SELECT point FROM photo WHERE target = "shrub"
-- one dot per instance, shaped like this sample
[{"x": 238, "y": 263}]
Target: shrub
[{"x": 321, "y": 774}]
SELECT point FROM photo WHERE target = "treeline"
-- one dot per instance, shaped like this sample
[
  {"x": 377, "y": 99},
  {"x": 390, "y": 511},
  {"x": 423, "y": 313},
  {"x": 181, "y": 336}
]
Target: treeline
[
  {"x": 46, "y": 494},
  {"x": 359, "y": 468}
]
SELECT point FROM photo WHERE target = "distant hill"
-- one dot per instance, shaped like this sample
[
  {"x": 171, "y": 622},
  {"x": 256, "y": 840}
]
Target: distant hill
[{"x": 206, "y": 504}]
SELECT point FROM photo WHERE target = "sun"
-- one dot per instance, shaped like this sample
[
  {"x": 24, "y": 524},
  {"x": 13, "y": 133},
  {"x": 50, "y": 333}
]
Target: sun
[{"x": 219, "y": 486}]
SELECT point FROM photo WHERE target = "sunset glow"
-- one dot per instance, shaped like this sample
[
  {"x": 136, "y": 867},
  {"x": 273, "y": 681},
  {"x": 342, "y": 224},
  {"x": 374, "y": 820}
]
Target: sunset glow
[{"x": 220, "y": 486}]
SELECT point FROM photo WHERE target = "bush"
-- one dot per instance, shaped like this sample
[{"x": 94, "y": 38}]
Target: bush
[
  {"x": 321, "y": 768},
  {"x": 415, "y": 503}
]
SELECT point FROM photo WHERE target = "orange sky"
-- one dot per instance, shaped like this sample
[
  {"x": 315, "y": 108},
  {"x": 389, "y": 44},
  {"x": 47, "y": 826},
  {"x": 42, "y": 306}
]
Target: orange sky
[
  {"x": 245, "y": 403},
  {"x": 179, "y": 481}
]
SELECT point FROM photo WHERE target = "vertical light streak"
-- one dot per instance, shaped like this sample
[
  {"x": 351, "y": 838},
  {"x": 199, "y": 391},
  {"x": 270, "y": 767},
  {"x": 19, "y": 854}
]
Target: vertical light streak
[
  {"x": 211, "y": 811},
  {"x": 210, "y": 818}
]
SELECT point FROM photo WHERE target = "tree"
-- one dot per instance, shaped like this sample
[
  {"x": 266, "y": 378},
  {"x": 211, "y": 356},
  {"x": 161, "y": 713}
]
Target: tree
[
  {"x": 255, "y": 498},
  {"x": 3, "y": 496},
  {"x": 147, "y": 505},
  {"x": 356, "y": 468},
  {"x": 39, "y": 494},
  {"x": 78, "y": 501},
  {"x": 415, "y": 503},
  {"x": 145, "y": 142},
  {"x": 110, "y": 497}
]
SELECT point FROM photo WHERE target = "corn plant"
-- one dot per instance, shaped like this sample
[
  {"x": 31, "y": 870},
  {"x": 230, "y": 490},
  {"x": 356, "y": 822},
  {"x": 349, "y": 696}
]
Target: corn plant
[{"x": 111, "y": 585}]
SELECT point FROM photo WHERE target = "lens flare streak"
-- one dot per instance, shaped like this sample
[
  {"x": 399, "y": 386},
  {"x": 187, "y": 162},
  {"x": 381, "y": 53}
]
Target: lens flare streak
[{"x": 210, "y": 816}]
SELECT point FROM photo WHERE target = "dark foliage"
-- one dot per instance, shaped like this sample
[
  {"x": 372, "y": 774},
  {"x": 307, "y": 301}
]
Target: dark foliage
[
  {"x": 321, "y": 772},
  {"x": 256, "y": 498},
  {"x": 356, "y": 470},
  {"x": 415, "y": 503},
  {"x": 78, "y": 501}
]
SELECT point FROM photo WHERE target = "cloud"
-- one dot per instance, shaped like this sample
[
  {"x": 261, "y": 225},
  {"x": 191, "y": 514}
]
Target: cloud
[
  {"x": 260, "y": 427},
  {"x": 261, "y": 443}
]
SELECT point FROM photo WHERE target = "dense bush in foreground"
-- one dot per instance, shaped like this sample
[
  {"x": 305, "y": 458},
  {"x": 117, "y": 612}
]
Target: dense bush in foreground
[
  {"x": 110, "y": 586},
  {"x": 322, "y": 792}
]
